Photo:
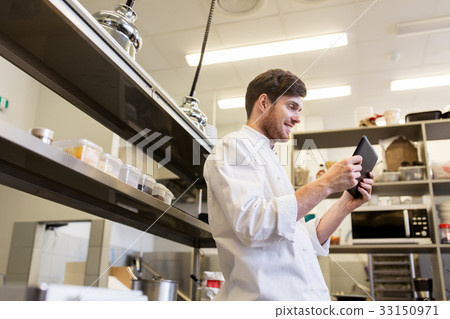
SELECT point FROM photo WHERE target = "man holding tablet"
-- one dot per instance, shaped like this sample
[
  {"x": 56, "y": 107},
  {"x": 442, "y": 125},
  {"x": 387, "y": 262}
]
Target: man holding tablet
[{"x": 266, "y": 250}]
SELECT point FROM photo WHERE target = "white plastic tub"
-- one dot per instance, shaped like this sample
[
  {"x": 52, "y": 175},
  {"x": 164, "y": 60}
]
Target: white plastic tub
[
  {"x": 109, "y": 164},
  {"x": 146, "y": 184},
  {"x": 130, "y": 175}
]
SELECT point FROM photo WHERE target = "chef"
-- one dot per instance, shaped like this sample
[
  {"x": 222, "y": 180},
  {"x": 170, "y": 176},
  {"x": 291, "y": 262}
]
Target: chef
[{"x": 266, "y": 250}]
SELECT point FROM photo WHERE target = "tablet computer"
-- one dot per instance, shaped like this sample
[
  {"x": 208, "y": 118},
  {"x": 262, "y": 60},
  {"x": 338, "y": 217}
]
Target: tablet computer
[{"x": 370, "y": 158}]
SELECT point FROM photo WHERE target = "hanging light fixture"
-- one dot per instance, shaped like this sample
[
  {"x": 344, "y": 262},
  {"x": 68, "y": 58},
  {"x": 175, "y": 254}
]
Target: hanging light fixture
[
  {"x": 120, "y": 25},
  {"x": 190, "y": 103}
]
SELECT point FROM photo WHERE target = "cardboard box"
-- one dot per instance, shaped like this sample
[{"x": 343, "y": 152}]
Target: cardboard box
[{"x": 122, "y": 274}]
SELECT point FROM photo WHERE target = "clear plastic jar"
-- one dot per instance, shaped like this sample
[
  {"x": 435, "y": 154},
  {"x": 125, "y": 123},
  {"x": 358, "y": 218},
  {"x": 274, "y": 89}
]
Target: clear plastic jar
[
  {"x": 444, "y": 233},
  {"x": 146, "y": 184}
]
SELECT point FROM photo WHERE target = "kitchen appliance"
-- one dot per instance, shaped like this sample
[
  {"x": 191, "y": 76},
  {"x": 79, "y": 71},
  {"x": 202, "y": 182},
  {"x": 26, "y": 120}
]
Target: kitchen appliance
[
  {"x": 120, "y": 25},
  {"x": 402, "y": 226}
]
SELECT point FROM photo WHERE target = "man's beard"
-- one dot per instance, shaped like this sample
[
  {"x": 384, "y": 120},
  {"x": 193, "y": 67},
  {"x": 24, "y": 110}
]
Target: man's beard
[{"x": 272, "y": 130}]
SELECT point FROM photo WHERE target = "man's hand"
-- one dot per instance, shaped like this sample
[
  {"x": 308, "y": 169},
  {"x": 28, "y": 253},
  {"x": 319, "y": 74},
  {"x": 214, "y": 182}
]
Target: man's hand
[
  {"x": 343, "y": 175},
  {"x": 331, "y": 220},
  {"x": 365, "y": 188}
]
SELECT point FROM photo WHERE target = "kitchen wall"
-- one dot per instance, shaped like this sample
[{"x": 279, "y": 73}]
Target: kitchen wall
[
  {"x": 62, "y": 245},
  {"x": 23, "y": 94}
]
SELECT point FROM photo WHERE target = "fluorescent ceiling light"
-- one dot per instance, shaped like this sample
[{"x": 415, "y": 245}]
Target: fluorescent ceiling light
[
  {"x": 420, "y": 83},
  {"x": 233, "y": 103},
  {"x": 313, "y": 94},
  {"x": 424, "y": 26},
  {"x": 327, "y": 93},
  {"x": 270, "y": 49}
]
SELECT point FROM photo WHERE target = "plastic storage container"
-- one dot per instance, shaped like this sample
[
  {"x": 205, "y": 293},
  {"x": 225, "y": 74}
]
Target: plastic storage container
[
  {"x": 444, "y": 233},
  {"x": 169, "y": 197},
  {"x": 441, "y": 170},
  {"x": 109, "y": 164},
  {"x": 161, "y": 192},
  {"x": 146, "y": 184},
  {"x": 412, "y": 173},
  {"x": 130, "y": 175},
  {"x": 389, "y": 177},
  {"x": 82, "y": 149}
]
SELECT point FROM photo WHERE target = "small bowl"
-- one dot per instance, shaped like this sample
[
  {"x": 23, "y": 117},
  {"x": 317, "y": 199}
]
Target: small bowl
[{"x": 44, "y": 134}]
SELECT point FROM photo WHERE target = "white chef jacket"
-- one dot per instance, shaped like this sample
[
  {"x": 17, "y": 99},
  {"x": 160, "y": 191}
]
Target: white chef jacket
[{"x": 264, "y": 254}]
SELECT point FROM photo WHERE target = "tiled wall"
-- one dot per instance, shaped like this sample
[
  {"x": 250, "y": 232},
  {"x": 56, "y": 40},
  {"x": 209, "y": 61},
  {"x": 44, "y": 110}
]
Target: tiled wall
[{"x": 58, "y": 249}]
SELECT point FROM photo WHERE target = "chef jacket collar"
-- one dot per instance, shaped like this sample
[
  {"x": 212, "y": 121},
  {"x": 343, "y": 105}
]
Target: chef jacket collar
[{"x": 255, "y": 136}]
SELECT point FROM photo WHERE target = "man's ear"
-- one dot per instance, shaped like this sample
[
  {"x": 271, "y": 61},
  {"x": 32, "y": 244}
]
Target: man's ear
[{"x": 263, "y": 102}]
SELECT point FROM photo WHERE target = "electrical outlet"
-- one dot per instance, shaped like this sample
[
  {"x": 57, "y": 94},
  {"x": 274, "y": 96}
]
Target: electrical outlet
[{"x": 3, "y": 103}]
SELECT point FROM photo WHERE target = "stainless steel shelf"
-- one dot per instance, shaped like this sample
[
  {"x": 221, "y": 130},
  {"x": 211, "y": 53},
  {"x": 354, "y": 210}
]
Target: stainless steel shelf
[
  {"x": 61, "y": 45},
  {"x": 367, "y": 208},
  {"x": 365, "y": 249},
  {"x": 437, "y": 129},
  {"x": 401, "y": 188},
  {"x": 29, "y": 165},
  {"x": 351, "y": 137},
  {"x": 441, "y": 187}
]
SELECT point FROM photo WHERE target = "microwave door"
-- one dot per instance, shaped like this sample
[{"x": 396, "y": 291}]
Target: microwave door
[{"x": 406, "y": 223}]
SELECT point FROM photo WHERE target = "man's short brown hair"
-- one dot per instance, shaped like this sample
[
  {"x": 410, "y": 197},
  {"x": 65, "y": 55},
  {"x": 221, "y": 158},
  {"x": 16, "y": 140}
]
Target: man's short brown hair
[{"x": 275, "y": 83}]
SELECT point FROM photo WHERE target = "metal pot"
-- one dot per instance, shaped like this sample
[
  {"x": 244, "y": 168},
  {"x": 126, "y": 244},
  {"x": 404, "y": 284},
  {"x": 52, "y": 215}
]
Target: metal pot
[{"x": 157, "y": 289}]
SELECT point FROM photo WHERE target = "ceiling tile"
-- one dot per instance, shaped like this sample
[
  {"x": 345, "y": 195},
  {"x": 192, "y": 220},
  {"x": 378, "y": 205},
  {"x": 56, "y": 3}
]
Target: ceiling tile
[
  {"x": 288, "y": 6},
  {"x": 174, "y": 46},
  {"x": 381, "y": 19},
  {"x": 318, "y": 22},
  {"x": 391, "y": 53},
  {"x": 251, "y": 32},
  {"x": 268, "y": 9},
  {"x": 150, "y": 57},
  {"x": 438, "y": 48},
  {"x": 163, "y": 17}
]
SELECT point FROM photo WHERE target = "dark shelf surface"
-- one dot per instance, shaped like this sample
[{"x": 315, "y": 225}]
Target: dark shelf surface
[
  {"x": 385, "y": 248},
  {"x": 29, "y": 165},
  {"x": 61, "y": 45},
  {"x": 350, "y": 137}
]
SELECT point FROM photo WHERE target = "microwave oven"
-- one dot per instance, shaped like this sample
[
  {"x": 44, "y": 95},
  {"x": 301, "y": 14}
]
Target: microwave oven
[{"x": 404, "y": 226}]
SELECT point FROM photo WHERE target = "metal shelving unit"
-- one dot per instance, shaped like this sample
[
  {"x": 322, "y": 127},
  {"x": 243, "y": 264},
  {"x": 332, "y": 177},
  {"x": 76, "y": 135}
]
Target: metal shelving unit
[
  {"x": 46, "y": 171},
  {"x": 417, "y": 132},
  {"x": 61, "y": 45}
]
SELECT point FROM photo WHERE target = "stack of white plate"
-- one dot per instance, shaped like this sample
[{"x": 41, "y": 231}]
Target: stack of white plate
[{"x": 444, "y": 212}]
